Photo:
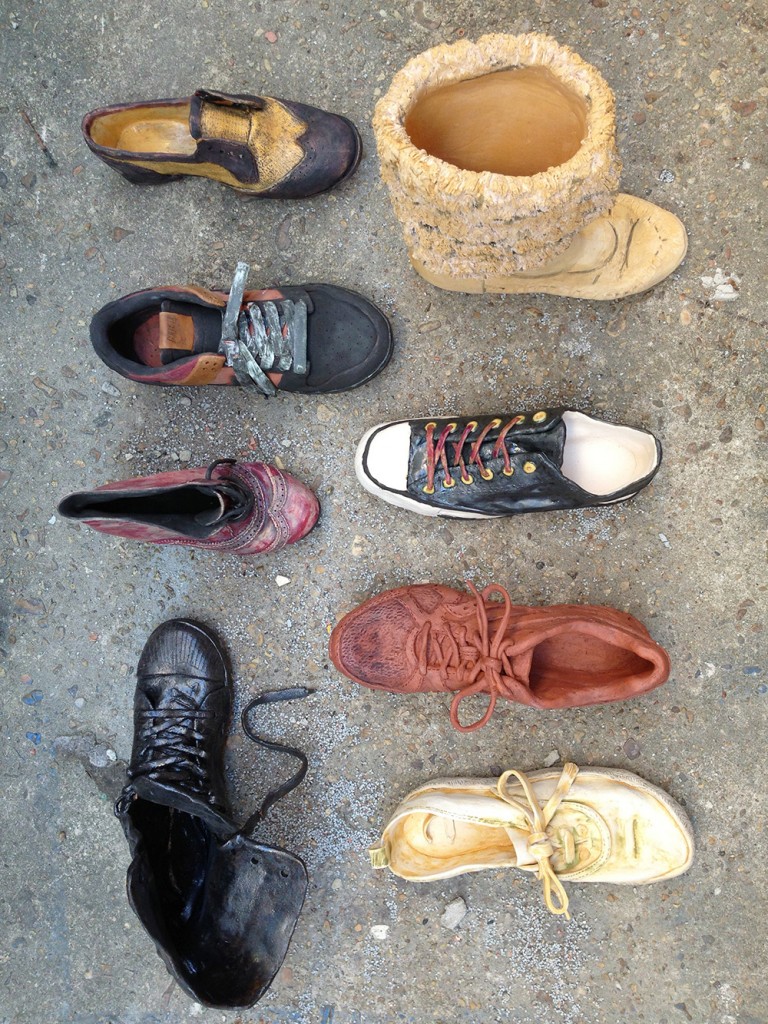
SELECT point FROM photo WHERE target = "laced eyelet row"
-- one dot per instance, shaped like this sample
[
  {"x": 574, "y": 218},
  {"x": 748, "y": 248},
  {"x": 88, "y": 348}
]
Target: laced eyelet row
[
  {"x": 486, "y": 474},
  {"x": 436, "y": 451}
]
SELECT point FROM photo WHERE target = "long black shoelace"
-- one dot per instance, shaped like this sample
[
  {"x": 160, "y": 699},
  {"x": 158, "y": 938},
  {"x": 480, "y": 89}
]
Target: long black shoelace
[{"x": 272, "y": 697}]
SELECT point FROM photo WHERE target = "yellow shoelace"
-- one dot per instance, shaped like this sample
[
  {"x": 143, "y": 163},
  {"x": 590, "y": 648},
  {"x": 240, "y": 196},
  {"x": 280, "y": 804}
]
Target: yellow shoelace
[{"x": 540, "y": 844}]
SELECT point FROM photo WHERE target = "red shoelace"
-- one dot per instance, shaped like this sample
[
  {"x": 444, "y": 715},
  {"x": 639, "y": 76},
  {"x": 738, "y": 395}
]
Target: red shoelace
[
  {"x": 437, "y": 451},
  {"x": 482, "y": 662}
]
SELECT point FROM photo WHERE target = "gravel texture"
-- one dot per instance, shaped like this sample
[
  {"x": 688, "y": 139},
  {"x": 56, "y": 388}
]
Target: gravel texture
[{"x": 687, "y": 557}]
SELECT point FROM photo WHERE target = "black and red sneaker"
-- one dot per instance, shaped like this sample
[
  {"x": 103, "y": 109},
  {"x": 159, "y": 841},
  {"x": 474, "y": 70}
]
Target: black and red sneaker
[{"x": 309, "y": 338}]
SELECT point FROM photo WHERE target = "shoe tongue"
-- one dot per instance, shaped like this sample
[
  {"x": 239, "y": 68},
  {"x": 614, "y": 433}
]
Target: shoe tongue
[
  {"x": 210, "y": 516},
  {"x": 519, "y": 838},
  {"x": 166, "y": 794},
  {"x": 216, "y": 115},
  {"x": 181, "y": 335}
]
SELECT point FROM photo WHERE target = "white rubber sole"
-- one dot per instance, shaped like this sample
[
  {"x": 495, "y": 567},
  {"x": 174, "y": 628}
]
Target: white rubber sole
[{"x": 402, "y": 500}]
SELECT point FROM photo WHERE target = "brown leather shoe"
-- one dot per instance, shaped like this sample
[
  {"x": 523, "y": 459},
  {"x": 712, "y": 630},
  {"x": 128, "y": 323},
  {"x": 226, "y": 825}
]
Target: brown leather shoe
[
  {"x": 257, "y": 144},
  {"x": 433, "y": 638}
]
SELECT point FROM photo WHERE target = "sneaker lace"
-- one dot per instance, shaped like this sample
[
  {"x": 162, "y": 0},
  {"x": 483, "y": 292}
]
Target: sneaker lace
[
  {"x": 438, "y": 451},
  {"x": 270, "y": 697},
  {"x": 541, "y": 843},
  {"x": 175, "y": 740},
  {"x": 262, "y": 336},
  {"x": 479, "y": 659}
]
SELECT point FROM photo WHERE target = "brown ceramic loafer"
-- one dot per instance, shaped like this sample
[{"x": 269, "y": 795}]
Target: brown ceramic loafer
[
  {"x": 259, "y": 145},
  {"x": 433, "y": 638}
]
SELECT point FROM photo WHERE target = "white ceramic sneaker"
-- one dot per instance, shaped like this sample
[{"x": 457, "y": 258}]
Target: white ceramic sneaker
[{"x": 588, "y": 825}]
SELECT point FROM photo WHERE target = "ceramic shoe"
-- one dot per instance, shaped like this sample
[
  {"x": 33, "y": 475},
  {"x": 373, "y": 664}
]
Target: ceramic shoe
[
  {"x": 220, "y": 906},
  {"x": 579, "y": 825},
  {"x": 309, "y": 339},
  {"x": 500, "y": 465},
  {"x": 246, "y": 508},
  {"x": 429, "y": 638},
  {"x": 259, "y": 145}
]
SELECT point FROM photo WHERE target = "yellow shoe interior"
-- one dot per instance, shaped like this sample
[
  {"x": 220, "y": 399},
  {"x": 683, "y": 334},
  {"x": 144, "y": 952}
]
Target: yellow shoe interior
[
  {"x": 515, "y": 122},
  {"x": 423, "y": 844},
  {"x": 156, "y": 129}
]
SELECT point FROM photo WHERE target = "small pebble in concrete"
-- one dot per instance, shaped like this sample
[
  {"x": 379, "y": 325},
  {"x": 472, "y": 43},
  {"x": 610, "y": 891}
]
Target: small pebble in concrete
[
  {"x": 552, "y": 758},
  {"x": 454, "y": 914},
  {"x": 631, "y": 748},
  {"x": 722, "y": 287},
  {"x": 282, "y": 581},
  {"x": 380, "y": 932},
  {"x": 110, "y": 389}
]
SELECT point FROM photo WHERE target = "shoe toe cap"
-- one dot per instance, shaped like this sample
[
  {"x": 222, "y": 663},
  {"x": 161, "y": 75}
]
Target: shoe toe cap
[
  {"x": 368, "y": 644},
  {"x": 349, "y": 339},
  {"x": 332, "y": 151},
  {"x": 183, "y": 648},
  {"x": 383, "y": 457},
  {"x": 300, "y": 510}
]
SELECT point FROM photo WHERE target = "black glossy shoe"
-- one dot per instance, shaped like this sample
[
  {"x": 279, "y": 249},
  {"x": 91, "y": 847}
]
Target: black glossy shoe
[
  {"x": 220, "y": 907},
  {"x": 500, "y": 465}
]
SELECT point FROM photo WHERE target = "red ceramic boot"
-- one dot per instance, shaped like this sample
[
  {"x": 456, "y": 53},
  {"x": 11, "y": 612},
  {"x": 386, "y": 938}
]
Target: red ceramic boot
[{"x": 245, "y": 508}]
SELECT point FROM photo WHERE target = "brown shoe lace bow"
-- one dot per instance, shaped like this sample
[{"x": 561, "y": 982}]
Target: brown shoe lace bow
[
  {"x": 540, "y": 844},
  {"x": 483, "y": 663}
]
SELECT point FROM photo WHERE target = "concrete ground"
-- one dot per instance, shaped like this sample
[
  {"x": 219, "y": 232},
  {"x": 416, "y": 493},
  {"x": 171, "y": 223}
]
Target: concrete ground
[{"x": 687, "y": 556}]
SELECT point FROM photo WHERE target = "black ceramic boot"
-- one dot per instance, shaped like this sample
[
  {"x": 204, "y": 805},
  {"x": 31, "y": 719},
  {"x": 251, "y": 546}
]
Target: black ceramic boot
[{"x": 220, "y": 907}]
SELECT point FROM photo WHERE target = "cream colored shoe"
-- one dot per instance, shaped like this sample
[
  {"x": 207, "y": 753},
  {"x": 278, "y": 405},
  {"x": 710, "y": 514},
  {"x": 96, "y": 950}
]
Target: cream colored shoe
[
  {"x": 501, "y": 163},
  {"x": 588, "y": 825}
]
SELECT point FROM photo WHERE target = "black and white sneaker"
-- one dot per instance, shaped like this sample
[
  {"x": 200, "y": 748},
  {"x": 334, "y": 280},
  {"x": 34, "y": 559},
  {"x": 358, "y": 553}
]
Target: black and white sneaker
[{"x": 495, "y": 466}]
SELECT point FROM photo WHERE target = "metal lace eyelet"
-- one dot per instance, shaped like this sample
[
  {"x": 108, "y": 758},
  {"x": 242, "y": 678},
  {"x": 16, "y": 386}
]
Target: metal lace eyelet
[
  {"x": 539, "y": 417},
  {"x": 495, "y": 423},
  {"x": 428, "y": 425},
  {"x": 467, "y": 479},
  {"x": 428, "y": 490},
  {"x": 472, "y": 425},
  {"x": 486, "y": 474},
  {"x": 508, "y": 472},
  {"x": 449, "y": 482},
  {"x": 529, "y": 467},
  {"x": 452, "y": 427}
]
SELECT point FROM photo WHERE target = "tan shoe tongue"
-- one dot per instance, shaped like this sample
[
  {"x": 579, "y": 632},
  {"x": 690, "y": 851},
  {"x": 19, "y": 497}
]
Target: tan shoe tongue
[
  {"x": 215, "y": 115},
  {"x": 176, "y": 332}
]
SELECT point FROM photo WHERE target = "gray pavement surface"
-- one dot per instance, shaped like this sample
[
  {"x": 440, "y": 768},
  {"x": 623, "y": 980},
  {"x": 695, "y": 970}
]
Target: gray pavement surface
[{"x": 687, "y": 557}]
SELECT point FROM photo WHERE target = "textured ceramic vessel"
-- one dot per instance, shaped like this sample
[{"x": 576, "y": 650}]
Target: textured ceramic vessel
[{"x": 501, "y": 163}]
